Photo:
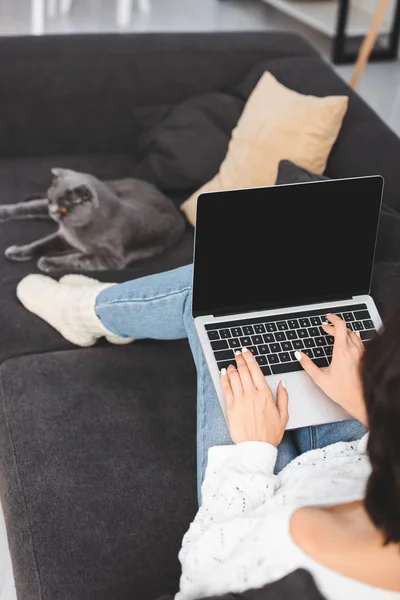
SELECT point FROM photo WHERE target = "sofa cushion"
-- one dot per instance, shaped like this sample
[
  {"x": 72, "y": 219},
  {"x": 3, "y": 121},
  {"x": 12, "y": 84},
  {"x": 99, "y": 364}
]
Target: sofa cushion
[
  {"x": 97, "y": 469},
  {"x": 185, "y": 148}
]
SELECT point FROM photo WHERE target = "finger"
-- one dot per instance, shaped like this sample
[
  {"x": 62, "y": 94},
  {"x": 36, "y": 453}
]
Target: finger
[
  {"x": 235, "y": 381},
  {"x": 243, "y": 369},
  {"x": 282, "y": 400},
  {"x": 226, "y": 388},
  {"x": 330, "y": 330},
  {"x": 313, "y": 371},
  {"x": 254, "y": 369},
  {"x": 356, "y": 340},
  {"x": 340, "y": 329}
]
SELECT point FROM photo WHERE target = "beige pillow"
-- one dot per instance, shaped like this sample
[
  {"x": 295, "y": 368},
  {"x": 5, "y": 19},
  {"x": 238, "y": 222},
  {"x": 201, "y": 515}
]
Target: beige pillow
[{"x": 277, "y": 123}]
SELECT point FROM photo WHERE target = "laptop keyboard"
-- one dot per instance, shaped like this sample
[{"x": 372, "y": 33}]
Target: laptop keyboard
[{"x": 274, "y": 340}]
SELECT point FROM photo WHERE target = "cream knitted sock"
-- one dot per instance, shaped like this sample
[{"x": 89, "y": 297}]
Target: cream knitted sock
[
  {"x": 69, "y": 309},
  {"x": 75, "y": 279}
]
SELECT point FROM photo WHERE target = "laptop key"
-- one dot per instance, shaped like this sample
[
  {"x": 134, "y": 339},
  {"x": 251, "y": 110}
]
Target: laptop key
[
  {"x": 236, "y": 331},
  {"x": 262, "y": 360},
  {"x": 253, "y": 350},
  {"x": 275, "y": 347},
  {"x": 291, "y": 335},
  {"x": 309, "y": 352},
  {"x": 368, "y": 324},
  {"x": 318, "y": 352},
  {"x": 349, "y": 326},
  {"x": 321, "y": 362},
  {"x": 225, "y": 333},
  {"x": 223, "y": 355},
  {"x": 264, "y": 349},
  {"x": 293, "y": 324},
  {"x": 298, "y": 344},
  {"x": 266, "y": 370},
  {"x": 358, "y": 326},
  {"x": 259, "y": 328},
  {"x": 282, "y": 326},
  {"x": 257, "y": 339},
  {"x": 328, "y": 350},
  {"x": 273, "y": 359},
  {"x": 309, "y": 343},
  {"x": 220, "y": 345},
  {"x": 361, "y": 315},
  {"x": 315, "y": 321},
  {"x": 270, "y": 327},
  {"x": 248, "y": 330},
  {"x": 280, "y": 336},
  {"x": 286, "y": 346},
  {"x": 234, "y": 343},
  {"x": 348, "y": 316},
  {"x": 330, "y": 340},
  {"x": 213, "y": 335},
  {"x": 302, "y": 333},
  {"x": 245, "y": 341},
  {"x": 288, "y": 367},
  {"x": 268, "y": 338},
  {"x": 305, "y": 322},
  {"x": 225, "y": 364},
  {"x": 367, "y": 335},
  {"x": 320, "y": 341},
  {"x": 313, "y": 331},
  {"x": 284, "y": 356}
]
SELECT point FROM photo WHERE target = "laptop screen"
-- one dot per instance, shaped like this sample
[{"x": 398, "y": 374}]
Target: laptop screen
[{"x": 285, "y": 245}]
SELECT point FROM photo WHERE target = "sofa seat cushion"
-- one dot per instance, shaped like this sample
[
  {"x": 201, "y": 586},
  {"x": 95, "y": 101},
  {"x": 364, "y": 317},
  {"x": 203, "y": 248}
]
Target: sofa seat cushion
[{"x": 98, "y": 469}]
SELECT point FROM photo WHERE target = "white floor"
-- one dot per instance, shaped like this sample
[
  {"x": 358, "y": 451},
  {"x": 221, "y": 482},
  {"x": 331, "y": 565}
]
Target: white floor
[{"x": 380, "y": 85}]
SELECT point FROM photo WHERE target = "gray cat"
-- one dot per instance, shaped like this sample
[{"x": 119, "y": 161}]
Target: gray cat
[{"x": 101, "y": 225}]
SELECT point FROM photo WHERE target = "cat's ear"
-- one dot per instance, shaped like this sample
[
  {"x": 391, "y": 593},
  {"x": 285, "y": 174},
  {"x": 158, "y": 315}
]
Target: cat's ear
[
  {"x": 57, "y": 172},
  {"x": 82, "y": 194}
]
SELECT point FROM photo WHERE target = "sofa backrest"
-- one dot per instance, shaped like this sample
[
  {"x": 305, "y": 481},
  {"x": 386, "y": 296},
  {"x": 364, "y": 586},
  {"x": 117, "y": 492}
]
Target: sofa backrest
[{"x": 92, "y": 93}]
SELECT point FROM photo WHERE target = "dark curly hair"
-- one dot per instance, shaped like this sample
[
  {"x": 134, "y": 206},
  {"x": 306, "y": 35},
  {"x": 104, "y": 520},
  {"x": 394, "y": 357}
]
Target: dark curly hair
[{"x": 381, "y": 379}]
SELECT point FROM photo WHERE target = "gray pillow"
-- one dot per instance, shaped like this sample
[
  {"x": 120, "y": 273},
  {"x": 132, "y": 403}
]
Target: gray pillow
[{"x": 288, "y": 172}]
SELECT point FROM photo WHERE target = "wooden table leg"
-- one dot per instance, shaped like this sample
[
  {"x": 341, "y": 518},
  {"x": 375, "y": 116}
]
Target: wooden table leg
[{"x": 369, "y": 42}]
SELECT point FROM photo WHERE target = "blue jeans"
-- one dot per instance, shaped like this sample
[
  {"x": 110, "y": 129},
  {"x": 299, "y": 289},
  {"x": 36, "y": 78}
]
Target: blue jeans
[{"x": 160, "y": 307}]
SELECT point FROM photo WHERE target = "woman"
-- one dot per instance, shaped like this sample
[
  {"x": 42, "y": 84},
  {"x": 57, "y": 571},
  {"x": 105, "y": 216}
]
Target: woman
[{"x": 329, "y": 509}]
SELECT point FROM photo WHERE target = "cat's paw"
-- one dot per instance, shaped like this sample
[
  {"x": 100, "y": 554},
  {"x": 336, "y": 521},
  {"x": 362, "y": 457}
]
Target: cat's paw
[
  {"x": 46, "y": 265},
  {"x": 18, "y": 254},
  {"x": 4, "y": 214}
]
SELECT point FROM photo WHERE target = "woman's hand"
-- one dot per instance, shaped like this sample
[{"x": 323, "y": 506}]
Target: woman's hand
[
  {"x": 342, "y": 380},
  {"x": 251, "y": 411}
]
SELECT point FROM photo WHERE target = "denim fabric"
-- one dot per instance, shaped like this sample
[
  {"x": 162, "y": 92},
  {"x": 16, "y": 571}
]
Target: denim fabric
[{"x": 160, "y": 307}]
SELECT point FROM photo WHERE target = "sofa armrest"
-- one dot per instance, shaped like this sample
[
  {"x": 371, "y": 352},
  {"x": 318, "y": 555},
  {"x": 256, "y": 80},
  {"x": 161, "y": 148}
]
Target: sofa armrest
[{"x": 91, "y": 93}]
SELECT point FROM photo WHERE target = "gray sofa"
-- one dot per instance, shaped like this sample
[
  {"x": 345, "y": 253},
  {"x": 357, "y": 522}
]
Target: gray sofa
[{"x": 97, "y": 454}]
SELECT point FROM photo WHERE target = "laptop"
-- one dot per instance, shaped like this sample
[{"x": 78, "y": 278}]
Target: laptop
[{"x": 269, "y": 264}]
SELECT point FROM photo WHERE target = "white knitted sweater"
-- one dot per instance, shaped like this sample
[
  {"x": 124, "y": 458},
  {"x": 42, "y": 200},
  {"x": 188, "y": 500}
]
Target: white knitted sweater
[{"x": 240, "y": 537}]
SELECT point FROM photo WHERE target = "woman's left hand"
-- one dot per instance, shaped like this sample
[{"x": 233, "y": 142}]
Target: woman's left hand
[{"x": 252, "y": 414}]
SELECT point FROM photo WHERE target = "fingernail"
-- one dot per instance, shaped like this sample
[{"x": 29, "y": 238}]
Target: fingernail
[
  {"x": 297, "y": 355},
  {"x": 223, "y": 372},
  {"x": 237, "y": 352},
  {"x": 358, "y": 333},
  {"x": 245, "y": 350},
  {"x": 283, "y": 384}
]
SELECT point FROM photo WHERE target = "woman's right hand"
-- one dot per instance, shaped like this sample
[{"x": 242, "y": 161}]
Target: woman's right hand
[{"x": 341, "y": 381}]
